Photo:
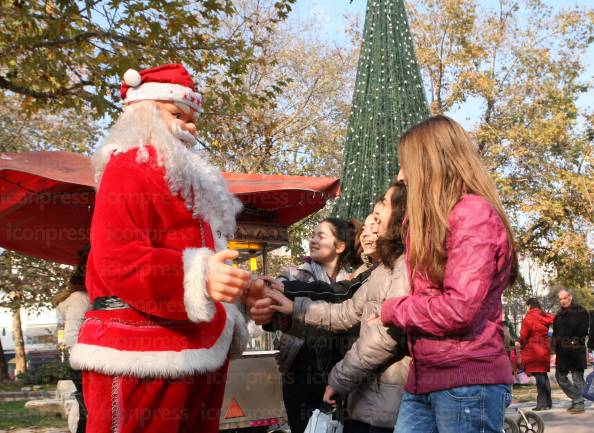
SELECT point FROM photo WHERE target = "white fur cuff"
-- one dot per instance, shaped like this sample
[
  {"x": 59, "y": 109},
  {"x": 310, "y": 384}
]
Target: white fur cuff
[
  {"x": 165, "y": 363},
  {"x": 199, "y": 306}
]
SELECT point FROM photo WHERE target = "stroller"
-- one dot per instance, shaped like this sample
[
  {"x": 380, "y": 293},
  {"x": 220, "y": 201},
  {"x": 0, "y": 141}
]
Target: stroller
[{"x": 524, "y": 422}]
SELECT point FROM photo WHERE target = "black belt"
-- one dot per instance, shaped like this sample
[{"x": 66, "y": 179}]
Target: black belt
[{"x": 109, "y": 303}]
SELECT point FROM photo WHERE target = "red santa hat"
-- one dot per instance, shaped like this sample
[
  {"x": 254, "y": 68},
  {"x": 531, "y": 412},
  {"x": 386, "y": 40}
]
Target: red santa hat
[{"x": 170, "y": 82}]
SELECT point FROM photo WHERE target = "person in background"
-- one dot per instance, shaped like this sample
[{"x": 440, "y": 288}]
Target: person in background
[
  {"x": 508, "y": 339},
  {"x": 461, "y": 257},
  {"x": 536, "y": 350},
  {"x": 570, "y": 329},
  {"x": 515, "y": 356},
  {"x": 305, "y": 364},
  {"x": 591, "y": 335},
  {"x": 71, "y": 305}
]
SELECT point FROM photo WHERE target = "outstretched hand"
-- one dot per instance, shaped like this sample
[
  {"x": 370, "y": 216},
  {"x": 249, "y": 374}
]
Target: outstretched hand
[
  {"x": 262, "y": 312},
  {"x": 225, "y": 283},
  {"x": 258, "y": 305},
  {"x": 273, "y": 283},
  {"x": 283, "y": 304}
]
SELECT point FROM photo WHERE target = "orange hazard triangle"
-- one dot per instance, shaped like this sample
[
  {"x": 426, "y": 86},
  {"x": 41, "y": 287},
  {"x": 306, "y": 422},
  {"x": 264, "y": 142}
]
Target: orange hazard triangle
[{"x": 234, "y": 410}]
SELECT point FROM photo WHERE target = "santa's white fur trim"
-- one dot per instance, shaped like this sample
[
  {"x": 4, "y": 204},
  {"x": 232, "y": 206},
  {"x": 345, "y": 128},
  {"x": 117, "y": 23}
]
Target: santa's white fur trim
[
  {"x": 241, "y": 336},
  {"x": 132, "y": 78},
  {"x": 199, "y": 307},
  {"x": 165, "y": 363},
  {"x": 188, "y": 174},
  {"x": 165, "y": 92}
]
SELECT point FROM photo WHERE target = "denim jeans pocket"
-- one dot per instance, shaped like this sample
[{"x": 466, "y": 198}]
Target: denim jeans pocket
[
  {"x": 471, "y": 409},
  {"x": 507, "y": 399},
  {"x": 460, "y": 409},
  {"x": 472, "y": 392}
]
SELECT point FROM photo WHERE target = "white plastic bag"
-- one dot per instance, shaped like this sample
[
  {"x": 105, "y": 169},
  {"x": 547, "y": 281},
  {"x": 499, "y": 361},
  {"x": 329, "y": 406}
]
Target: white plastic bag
[
  {"x": 322, "y": 422},
  {"x": 523, "y": 378}
]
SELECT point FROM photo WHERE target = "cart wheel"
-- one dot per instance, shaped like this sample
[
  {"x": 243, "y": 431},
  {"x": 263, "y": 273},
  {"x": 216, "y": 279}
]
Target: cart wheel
[
  {"x": 510, "y": 426},
  {"x": 535, "y": 423}
]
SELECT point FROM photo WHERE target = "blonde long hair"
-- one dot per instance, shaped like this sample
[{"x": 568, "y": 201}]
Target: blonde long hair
[{"x": 441, "y": 163}]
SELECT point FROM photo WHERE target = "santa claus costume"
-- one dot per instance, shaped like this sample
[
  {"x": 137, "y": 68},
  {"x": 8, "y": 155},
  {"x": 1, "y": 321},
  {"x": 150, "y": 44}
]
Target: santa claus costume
[{"x": 154, "y": 348}]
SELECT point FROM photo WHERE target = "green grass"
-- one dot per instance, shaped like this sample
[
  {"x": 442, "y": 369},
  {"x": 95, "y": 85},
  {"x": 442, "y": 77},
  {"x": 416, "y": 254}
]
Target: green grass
[
  {"x": 14, "y": 415},
  {"x": 524, "y": 393}
]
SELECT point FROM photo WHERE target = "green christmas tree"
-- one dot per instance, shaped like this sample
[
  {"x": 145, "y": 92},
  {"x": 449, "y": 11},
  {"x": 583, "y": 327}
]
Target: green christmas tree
[{"x": 388, "y": 99}]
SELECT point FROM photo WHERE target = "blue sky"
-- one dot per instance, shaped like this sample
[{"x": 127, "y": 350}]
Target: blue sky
[{"x": 332, "y": 17}]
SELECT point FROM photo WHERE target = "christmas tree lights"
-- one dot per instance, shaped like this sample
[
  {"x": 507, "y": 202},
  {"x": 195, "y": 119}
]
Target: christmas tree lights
[{"x": 388, "y": 99}]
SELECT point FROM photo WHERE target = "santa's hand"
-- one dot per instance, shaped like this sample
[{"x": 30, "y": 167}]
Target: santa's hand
[
  {"x": 223, "y": 282},
  {"x": 284, "y": 304}
]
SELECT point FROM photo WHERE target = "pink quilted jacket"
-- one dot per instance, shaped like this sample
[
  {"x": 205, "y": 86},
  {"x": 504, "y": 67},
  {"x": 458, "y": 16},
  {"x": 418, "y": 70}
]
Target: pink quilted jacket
[{"x": 455, "y": 328}]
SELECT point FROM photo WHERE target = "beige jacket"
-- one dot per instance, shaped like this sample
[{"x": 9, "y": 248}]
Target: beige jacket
[
  {"x": 372, "y": 373},
  {"x": 72, "y": 311}
]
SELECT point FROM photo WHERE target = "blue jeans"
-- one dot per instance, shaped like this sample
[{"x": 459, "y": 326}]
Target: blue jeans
[{"x": 464, "y": 409}]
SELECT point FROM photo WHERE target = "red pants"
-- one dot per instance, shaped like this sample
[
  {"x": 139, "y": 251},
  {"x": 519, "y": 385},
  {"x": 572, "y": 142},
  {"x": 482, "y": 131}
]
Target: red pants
[{"x": 122, "y": 404}]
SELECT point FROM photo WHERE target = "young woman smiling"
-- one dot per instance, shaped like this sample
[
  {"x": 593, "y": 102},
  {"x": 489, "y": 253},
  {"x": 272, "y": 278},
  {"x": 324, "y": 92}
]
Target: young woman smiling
[{"x": 305, "y": 364}]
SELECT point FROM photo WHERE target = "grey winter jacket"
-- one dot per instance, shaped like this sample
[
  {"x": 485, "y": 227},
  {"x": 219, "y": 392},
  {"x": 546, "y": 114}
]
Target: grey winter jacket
[{"x": 373, "y": 372}]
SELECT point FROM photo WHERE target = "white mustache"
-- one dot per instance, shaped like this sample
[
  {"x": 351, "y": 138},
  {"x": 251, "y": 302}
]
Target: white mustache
[{"x": 183, "y": 135}]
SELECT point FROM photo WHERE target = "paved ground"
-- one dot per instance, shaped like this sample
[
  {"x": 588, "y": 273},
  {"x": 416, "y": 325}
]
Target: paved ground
[{"x": 558, "y": 420}]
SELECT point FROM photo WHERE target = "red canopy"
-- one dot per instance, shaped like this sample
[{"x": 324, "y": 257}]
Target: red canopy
[{"x": 46, "y": 201}]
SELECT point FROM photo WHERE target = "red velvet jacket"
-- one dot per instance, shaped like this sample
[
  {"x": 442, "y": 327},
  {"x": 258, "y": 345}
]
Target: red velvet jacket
[
  {"x": 148, "y": 250},
  {"x": 536, "y": 344},
  {"x": 455, "y": 328}
]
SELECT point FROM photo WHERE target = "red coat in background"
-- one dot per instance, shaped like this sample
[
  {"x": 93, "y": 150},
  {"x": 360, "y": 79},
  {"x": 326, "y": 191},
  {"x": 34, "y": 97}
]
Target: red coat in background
[{"x": 536, "y": 345}]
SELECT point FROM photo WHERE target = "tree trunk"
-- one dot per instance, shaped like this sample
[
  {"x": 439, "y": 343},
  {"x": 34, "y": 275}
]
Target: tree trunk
[
  {"x": 19, "y": 343},
  {"x": 3, "y": 365}
]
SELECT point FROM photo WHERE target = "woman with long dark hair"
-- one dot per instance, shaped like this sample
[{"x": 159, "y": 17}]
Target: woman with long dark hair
[
  {"x": 305, "y": 363},
  {"x": 372, "y": 374}
]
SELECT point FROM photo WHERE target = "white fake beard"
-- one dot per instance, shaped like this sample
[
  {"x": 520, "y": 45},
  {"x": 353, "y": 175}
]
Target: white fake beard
[
  {"x": 187, "y": 173},
  {"x": 182, "y": 135}
]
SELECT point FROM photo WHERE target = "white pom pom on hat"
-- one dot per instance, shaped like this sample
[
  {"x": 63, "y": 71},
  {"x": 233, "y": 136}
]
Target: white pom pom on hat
[{"x": 132, "y": 78}]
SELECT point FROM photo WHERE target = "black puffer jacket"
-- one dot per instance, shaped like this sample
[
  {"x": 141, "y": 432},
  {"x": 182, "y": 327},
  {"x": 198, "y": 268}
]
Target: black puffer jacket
[
  {"x": 325, "y": 349},
  {"x": 321, "y": 291},
  {"x": 570, "y": 330}
]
